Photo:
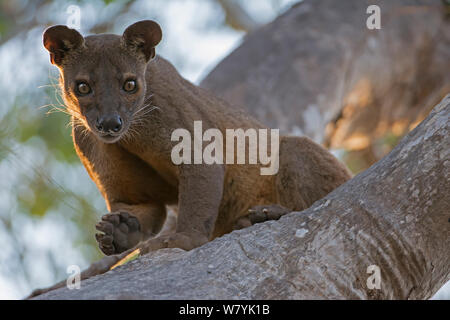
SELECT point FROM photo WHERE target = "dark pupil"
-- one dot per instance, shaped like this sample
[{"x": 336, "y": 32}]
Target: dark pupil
[
  {"x": 129, "y": 85},
  {"x": 83, "y": 88}
]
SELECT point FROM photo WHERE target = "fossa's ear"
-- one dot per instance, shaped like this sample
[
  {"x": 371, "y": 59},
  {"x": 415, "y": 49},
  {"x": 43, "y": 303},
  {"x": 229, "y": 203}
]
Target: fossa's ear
[
  {"x": 59, "y": 41},
  {"x": 143, "y": 36}
]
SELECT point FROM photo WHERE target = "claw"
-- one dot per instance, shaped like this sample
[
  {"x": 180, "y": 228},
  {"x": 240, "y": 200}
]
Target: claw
[
  {"x": 105, "y": 227},
  {"x": 112, "y": 218},
  {"x": 104, "y": 239}
]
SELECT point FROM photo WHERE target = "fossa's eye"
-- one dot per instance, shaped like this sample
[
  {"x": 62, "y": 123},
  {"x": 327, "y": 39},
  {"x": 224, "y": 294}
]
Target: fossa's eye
[
  {"x": 129, "y": 85},
  {"x": 83, "y": 88}
]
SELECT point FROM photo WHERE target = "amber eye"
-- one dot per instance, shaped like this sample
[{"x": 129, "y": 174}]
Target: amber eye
[
  {"x": 129, "y": 85},
  {"x": 83, "y": 88}
]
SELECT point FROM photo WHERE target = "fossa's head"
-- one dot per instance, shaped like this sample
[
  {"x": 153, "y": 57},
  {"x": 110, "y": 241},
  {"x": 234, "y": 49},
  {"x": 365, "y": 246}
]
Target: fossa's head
[{"x": 103, "y": 76}]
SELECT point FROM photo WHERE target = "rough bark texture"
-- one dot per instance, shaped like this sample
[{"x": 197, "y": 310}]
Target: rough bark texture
[
  {"x": 394, "y": 215},
  {"x": 318, "y": 66}
]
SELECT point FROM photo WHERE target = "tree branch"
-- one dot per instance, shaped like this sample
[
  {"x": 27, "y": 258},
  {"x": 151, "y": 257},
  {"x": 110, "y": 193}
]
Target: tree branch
[{"x": 395, "y": 215}]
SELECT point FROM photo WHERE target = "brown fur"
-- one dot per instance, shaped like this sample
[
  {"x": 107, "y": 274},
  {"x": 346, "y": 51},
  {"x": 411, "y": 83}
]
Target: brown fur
[{"x": 134, "y": 172}]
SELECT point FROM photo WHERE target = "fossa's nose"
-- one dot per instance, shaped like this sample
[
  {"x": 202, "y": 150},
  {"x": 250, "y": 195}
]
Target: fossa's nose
[{"x": 109, "y": 124}]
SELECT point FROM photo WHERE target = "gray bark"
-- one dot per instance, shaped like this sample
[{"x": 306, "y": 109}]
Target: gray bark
[{"x": 395, "y": 215}]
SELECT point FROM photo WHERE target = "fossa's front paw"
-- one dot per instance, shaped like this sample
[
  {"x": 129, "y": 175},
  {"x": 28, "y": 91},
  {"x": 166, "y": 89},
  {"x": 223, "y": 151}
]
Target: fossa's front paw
[{"x": 120, "y": 231}]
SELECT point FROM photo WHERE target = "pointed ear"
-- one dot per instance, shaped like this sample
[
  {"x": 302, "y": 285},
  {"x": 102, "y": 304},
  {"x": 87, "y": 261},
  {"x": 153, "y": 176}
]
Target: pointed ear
[
  {"x": 59, "y": 41},
  {"x": 143, "y": 36}
]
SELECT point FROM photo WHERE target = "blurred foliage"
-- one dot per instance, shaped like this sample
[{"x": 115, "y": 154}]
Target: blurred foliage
[{"x": 359, "y": 160}]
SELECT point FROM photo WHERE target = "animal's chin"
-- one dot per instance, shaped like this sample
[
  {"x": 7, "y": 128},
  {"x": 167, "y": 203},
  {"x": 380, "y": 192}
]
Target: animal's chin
[{"x": 109, "y": 138}]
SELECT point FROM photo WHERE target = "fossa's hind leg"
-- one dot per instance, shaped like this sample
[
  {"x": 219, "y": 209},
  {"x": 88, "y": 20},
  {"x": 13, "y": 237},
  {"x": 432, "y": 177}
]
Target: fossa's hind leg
[{"x": 307, "y": 172}]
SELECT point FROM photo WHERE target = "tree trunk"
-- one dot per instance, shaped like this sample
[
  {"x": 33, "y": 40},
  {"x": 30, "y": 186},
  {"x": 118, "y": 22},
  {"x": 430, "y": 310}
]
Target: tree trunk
[{"x": 394, "y": 215}]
